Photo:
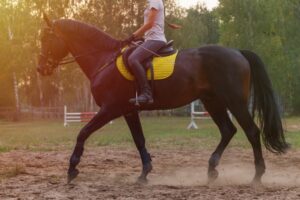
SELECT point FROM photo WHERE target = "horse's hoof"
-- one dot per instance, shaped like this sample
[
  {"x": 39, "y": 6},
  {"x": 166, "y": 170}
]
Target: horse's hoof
[
  {"x": 142, "y": 180},
  {"x": 212, "y": 176},
  {"x": 256, "y": 183},
  {"x": 72, "y": 175}
]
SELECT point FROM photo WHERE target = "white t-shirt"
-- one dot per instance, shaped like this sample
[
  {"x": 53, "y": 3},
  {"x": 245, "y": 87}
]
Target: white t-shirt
[{"x": 157, "y": 31}]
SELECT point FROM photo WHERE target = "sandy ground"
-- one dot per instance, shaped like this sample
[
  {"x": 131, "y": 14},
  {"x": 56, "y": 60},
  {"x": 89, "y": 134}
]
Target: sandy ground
[{"x": 110, "y": 173}]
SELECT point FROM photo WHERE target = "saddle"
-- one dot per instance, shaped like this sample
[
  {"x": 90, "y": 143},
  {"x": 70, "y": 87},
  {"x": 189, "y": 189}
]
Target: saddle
[
  {"x": 166, "y": 50},
  {"x": 157, "y": 67}
]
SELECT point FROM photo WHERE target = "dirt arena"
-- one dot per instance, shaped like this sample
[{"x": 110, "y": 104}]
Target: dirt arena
[{"x": 110, "y": 173}]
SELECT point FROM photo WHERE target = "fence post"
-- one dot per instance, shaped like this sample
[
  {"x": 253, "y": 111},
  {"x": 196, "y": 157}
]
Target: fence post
[
  {"x": 193, "y": 124},
  {"x": 17, "y": 111},
  {"x": 65, "y": 116}
]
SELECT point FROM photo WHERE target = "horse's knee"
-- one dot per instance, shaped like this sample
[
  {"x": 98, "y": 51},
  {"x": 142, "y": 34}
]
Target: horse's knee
[
  {"x": 232, "y": 130},
  {"x": 229, "y": 132},
  {"x": 141, "y": 147},
  {"x": 253, "y": 136}
]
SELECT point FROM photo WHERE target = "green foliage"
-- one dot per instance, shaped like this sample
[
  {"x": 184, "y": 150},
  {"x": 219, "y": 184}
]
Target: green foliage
[
  {"x": 271, "y": 29},
  {"x": 200, "y": 27}
]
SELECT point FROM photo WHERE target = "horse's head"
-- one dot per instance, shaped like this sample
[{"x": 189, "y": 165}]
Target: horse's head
[{"x": 53, "y": 49}]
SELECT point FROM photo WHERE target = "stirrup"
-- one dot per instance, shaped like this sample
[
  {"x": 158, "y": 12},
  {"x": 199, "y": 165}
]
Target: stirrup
[{"x": 138, "y": 103}]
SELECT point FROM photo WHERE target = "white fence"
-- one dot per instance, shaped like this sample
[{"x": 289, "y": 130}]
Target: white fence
[
  {"x": 70, "y": 117},
  {"x": 196, "y": 115},
  {"x": 202, "y": 114}
]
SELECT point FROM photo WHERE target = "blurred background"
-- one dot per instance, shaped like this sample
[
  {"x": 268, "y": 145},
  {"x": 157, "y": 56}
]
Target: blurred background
[{"x": 269, "y": 28}]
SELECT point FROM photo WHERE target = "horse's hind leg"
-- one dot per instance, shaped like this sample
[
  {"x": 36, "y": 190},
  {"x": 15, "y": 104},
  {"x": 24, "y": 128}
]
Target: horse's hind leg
[
  {"x": 220, "y": 116},
  {"x": 242, "y": 115},
  {"x": 134, "y": 124}
]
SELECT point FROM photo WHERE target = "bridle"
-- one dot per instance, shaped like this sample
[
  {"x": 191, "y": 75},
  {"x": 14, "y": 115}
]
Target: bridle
[
  {"x": 58, "y": 62},
  {"x": 65, "y": 61},
  {"x": 52, "y": 63}
]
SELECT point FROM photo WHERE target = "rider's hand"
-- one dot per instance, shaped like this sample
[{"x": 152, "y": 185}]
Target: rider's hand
[{"x": 129, "y": 40}]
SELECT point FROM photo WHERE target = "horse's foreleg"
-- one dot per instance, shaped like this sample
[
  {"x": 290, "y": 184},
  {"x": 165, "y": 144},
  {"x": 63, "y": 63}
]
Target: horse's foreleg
[
  {"x": 99, "y": 120},
  {"x": 134, "y": 124},
  {"x": 227, "y": 130}
]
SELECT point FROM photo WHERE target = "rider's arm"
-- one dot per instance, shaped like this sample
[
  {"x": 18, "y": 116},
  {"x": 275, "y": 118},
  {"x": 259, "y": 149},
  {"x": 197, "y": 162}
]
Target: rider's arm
[{"x": 148, "y": 25}]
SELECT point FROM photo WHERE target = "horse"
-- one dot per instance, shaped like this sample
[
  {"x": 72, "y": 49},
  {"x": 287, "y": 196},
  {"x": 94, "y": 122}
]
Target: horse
[{"x": 222, "y": 78}]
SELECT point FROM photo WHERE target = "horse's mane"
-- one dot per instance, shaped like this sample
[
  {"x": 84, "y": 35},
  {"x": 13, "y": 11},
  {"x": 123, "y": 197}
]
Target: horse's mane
[{"x": 86, "y": 31}]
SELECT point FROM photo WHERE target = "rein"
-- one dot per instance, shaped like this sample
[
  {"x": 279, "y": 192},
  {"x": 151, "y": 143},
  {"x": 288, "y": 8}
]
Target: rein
[
  {"x": 69, "y": 60},
  {"x": 118, "y": 53},
  {"x": 112, "y": 60}
]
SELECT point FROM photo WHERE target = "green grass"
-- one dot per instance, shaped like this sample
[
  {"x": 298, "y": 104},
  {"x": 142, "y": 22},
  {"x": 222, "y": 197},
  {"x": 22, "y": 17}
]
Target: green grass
[{"x": 160, "y": 132}]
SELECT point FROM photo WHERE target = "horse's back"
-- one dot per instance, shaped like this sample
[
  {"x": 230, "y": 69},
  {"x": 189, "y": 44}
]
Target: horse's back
[
  {"x": 206, "y": 70},
  {"x": 221, "y": 53},
  {"x": 224, "y": 56},
  {"x": 212, "y": 59}
]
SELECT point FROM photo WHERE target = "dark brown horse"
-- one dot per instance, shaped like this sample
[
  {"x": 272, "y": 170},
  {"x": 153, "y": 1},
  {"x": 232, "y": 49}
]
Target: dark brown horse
[{"x": 220, "y": 77}]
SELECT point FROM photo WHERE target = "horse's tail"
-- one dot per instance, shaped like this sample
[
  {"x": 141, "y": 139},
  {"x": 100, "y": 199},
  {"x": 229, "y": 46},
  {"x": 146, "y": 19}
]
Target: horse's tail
[{"x": 265, "y": 105}]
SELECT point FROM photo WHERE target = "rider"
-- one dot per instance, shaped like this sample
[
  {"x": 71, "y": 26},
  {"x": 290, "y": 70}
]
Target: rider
[{"x": 153, "y": 32}]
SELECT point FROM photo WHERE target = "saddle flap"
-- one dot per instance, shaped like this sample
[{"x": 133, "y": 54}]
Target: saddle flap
[
  {"x": 125, "y": 55},
  {"x": 163, "y": 67}
]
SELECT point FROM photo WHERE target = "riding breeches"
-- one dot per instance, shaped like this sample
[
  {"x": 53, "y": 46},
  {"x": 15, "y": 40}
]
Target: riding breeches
[{"x": 140, "y": 53}]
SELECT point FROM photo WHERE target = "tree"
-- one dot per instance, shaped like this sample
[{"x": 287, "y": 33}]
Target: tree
[{"x": 265, "y": 27}]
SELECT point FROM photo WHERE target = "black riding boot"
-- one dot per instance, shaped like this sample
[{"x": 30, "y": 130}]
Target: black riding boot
[{"x": 145, "y": 96}]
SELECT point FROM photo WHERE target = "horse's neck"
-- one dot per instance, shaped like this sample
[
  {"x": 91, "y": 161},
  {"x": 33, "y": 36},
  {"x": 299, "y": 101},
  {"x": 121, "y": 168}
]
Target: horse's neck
[{"x": 90, "y": 59}]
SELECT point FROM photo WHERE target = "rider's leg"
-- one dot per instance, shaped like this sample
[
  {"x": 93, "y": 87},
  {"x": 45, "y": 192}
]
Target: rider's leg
[{"x": 135, "y": 63}]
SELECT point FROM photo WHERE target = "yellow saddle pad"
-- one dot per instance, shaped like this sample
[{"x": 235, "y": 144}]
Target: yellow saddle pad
[{"x": 163, "y": 67}]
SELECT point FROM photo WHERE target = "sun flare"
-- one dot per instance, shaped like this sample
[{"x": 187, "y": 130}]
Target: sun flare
[{"x": 210, "y": 4}]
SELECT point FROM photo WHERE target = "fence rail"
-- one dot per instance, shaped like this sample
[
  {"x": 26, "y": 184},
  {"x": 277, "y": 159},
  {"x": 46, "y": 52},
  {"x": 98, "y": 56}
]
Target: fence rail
[
  {"x": 11, "y": 113},
  {"x": 7, "y": 113},
  {"x": 31, "y": 112},
  {"x": 70, "y": 117}
]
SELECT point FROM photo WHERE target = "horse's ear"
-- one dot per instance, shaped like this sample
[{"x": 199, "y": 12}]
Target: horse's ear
[{"x": 47, "y": 20}]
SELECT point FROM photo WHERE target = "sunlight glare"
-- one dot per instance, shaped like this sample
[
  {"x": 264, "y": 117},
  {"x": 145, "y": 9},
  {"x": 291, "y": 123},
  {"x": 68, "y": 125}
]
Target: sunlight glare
[{"x": 210, "y": 4}]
